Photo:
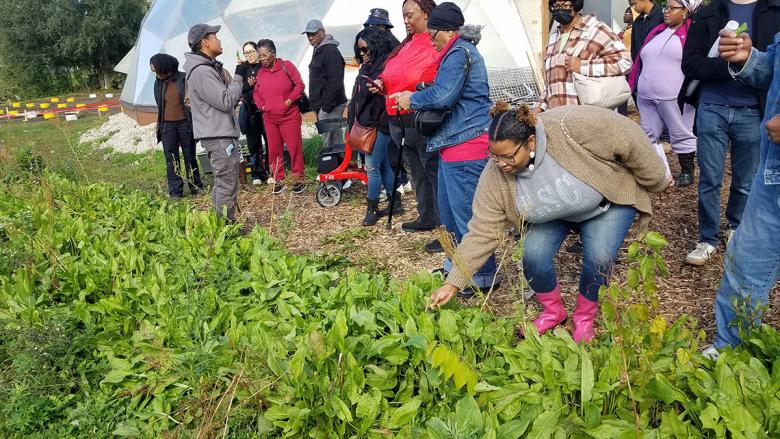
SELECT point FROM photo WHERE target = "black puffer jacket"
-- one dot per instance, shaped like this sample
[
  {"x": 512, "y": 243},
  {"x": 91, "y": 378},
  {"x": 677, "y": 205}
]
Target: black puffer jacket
[
  {"x": 160, "y": 86},
  {"x": 705, "y": 26},
  {"x": 326, "y": 76}
]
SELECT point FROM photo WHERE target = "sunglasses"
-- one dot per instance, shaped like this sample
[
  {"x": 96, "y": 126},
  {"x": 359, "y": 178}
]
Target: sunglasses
[{"x": 364, "y": 50}]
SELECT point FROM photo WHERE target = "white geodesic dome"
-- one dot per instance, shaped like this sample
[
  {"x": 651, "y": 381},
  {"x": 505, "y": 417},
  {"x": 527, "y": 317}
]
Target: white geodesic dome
[{"x": 505, "y": 44}]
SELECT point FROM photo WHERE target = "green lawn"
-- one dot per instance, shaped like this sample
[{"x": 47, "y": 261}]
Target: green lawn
[{"x": 57, "y": 144}]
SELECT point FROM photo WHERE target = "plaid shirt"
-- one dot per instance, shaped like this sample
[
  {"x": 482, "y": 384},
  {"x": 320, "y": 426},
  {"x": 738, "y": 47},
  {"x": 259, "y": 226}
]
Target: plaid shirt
[{"x": 606, "y": 56}]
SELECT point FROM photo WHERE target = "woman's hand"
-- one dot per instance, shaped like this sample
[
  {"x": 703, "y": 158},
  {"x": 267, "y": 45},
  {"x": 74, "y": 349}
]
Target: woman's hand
[
  {"x": 251, "y": 81},
  {"x": 288, "y": 102},
  {"x": 403, "y": 100},
  {"x": 376, "y": 90},
  {"x": 441, "y": 296},
  {"x": 773, "y": 128},
  {"x": 574, "y": 63}
]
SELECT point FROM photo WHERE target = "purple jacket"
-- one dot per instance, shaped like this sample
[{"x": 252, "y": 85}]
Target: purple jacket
[{"x": 681, "y": 32}]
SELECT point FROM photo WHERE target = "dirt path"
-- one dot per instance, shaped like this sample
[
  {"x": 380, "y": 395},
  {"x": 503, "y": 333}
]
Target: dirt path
[{"x": 303, "y": 226}]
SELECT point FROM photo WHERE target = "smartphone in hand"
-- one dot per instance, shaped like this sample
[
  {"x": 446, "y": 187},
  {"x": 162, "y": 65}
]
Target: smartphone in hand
[{"x": 371, "y": 82}]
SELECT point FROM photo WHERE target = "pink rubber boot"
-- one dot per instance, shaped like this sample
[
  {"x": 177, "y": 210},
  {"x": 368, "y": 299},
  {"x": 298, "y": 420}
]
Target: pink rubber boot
[
  {"x": 553, "y": 314},
  {"x": 583, "y": 318}
]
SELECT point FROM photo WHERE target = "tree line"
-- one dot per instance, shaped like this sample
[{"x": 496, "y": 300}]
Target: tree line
[{"x": 56, "y": 46}]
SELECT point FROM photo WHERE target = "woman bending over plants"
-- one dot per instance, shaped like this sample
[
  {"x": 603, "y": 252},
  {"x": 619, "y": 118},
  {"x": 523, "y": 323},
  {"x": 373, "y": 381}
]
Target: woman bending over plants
[{"x": 571, "y": 166}]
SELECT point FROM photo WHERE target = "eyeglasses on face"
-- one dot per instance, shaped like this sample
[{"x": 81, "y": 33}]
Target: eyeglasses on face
[
  {"x": 363, "y": 49},
  {"x": 508, "y": 159},
  {"x": 667, "y": 9},
  {"x": 250, "y": 52},
  {"x": 561, "y": 5},
  {"x": 433, "y": 35}
]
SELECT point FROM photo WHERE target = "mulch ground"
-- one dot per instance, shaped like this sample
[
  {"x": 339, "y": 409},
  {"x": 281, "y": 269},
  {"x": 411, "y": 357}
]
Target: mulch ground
[{"x": 305, "y": 227}]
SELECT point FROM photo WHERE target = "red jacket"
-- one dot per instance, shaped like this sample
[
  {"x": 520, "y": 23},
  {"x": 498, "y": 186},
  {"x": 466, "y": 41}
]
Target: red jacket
[
  {"x": 274, "y": 86},
  {"x": 413, "y": 64}
]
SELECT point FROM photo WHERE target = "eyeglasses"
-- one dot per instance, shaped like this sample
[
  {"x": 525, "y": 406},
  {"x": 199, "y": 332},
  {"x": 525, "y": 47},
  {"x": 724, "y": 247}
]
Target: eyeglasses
[
  {"x": 363, "y": 49},
  {"x": 508, "y": 159},
  {"x": 562, "y": 5},
  {"x": 433, "y": 35},
  {"x": 672, "y": 8},
  {"x": 250, "y": 52}
]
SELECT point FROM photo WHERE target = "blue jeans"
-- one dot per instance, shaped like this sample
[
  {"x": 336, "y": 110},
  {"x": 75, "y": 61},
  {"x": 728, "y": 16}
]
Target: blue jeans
[
  {"x": 380, "y": 173},
  {"x": 457, "y": 184},
  {"x": 601, "y": 240},
  {"x": 719, "y": 125},
  {"x": 751, "y": 263}
]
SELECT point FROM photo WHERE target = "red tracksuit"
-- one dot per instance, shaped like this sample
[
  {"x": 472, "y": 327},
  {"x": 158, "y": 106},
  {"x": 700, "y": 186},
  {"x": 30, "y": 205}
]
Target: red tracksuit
[{"x": 282, "y": 123}]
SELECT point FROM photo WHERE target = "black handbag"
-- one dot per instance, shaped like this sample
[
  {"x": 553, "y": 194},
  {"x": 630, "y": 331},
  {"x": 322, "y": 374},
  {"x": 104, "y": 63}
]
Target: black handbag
[
  {"x": 302, "y": 102},
  {"x": 428, "y": 122}
]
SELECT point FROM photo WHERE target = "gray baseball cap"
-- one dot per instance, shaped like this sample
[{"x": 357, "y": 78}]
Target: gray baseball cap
[
  {"x": 199, "y": 31},
  {"x": 313, "y": 26}
]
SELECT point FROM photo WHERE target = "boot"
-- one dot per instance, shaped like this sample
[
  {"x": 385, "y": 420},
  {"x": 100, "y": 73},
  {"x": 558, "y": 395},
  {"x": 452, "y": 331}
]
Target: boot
[
  {"x": 687, "y": 165},
  {"x": 583, "y": 318},
  {"x": 553, "y": 314},
  {"x": 372, "y": 212},
  {"x": 398, "y": 207}
]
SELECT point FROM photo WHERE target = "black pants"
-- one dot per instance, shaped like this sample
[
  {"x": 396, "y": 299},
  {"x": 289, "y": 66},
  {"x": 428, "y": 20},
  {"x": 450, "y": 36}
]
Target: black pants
[
  {"x": 423, "y": 165},
  {"x": 392, "y": 154},
  {"x": 258, "y": 146},
  {"x": 174, "y": 135}
]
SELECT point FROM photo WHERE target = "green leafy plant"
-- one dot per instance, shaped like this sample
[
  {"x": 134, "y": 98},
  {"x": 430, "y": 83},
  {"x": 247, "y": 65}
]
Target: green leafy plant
[{"x": 129, "y": 315}]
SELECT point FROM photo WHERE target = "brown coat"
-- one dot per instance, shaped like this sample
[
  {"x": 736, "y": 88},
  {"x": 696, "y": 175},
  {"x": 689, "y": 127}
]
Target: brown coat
[{"x": 607, "y": 151}]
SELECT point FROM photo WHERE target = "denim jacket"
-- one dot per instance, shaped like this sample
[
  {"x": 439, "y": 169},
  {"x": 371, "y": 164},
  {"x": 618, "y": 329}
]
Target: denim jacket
[
  {"x": 469, "y": 117},
  {"x": 758, "y": 72}
]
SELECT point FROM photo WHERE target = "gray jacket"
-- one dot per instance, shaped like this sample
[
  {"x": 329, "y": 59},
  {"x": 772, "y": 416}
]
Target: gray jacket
[{"x": 212, "y": 102}]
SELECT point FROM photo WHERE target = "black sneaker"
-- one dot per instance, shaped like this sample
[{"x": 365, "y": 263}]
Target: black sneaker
[
  {"x": 278, "y": 188},
  {"x": 434, "y": 247},
  {"x": 441, "y": 271},
  {"x": 416, "y": 226},
  {"x": 298, "y": 188}
]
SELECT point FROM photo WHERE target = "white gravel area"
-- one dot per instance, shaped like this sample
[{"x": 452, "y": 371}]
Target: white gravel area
[{"x": 123, "y": 134}]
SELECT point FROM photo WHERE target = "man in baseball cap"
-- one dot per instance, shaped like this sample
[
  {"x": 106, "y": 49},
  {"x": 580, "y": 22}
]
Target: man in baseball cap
[
  {"x": 327, "y": 96},
  {"x": 200, "y": 32},
  {"x": 213, "y": 99}
]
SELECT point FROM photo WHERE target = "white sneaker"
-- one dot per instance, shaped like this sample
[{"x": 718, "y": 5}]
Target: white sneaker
[
  {"x": 382, "y": 196},
  {"x": 270, "y": 180},
  {"x": 347, "y": 184},
  {"x": 257, "y": 182},
  {"x": 711, "y": 353},
  {"x": 701, "y": 254},
  {"x": 408, "y": 187}
]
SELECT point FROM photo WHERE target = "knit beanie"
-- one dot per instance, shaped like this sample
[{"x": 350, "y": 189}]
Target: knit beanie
[{"x": 446, "y": 16}]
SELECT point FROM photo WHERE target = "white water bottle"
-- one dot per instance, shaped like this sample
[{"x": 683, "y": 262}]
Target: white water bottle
[{"x": 731, "y": 26}]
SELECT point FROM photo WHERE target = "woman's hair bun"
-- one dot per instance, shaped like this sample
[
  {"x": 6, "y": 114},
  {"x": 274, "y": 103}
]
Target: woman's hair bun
[
  {"x": 525, "y": 116},
  {"x": 499, "y": 108}
]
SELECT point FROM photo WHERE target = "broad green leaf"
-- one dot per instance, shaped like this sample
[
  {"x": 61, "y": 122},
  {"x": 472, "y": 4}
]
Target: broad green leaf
[
  {"x": 341, "y": 409},
  {"x": 468, "y": 414},
  {"x": 587, "y": 379},
  {"x": 126, "y": 430},
  {"x": 368, "y": 405},
  {"x": 404, "y": 414},
  {"x": 513, "y": 429},
  {"x": 448, "y": 326}
]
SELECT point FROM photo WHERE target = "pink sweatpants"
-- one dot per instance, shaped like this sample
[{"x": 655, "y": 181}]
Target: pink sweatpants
[{"x": 283, "y": 131}]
